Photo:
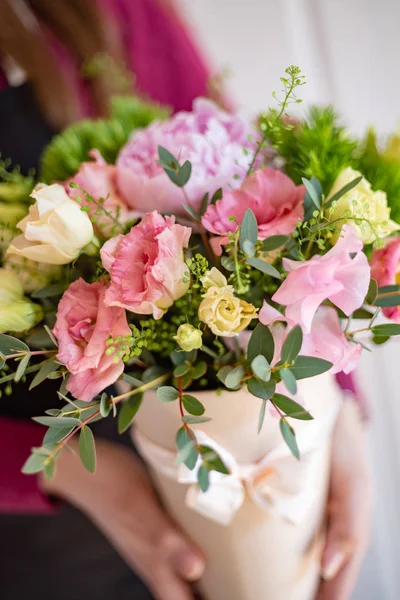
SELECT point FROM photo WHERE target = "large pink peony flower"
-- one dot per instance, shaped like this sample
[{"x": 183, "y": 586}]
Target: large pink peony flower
[
  {"x": 272, "y": 196},
  {"x": 385, "y": 268},
  {"x": 147, "y": 265},
  {"x": 326, "y": 339},
  {"x": 213, "y": 140},
  {"x": 342, "y": 276},
  {"x": 99, "y": 179},
  {"x": 84, "y": 324}
]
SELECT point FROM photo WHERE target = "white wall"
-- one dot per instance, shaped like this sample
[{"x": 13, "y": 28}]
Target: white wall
[{"x": 350, "y": 51}]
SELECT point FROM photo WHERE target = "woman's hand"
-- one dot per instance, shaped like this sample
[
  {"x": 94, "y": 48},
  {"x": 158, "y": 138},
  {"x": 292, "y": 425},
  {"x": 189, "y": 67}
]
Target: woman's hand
[
  {"x": 120, "y": 500},
  {"x": 349, "y": 508}
]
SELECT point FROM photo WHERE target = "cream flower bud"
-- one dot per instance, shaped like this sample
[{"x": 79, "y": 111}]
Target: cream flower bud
[
  {"x": 16, "y": 312},
  {"x": 32, "y": 275},
  {"x": 224, "y": 313},
  {"x": 56, "y": 229},
  {"x": 214, "y": 278},
  {"x": 189, "y": 337},
  {"x": 362, "y": 203}
]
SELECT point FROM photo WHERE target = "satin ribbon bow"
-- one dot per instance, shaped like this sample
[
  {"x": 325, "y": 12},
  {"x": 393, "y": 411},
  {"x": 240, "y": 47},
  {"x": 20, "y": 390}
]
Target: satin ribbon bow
[{"x": 278, "y": 482}]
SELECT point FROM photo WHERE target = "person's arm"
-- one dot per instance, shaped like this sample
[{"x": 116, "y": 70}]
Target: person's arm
[
  {"x": 120, "y": 500},
  {"x": 20, "y": 493}
]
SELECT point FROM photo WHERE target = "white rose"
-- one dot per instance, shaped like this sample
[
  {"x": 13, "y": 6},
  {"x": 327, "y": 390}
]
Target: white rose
[
  {"x": 56, "y": 229},
  {"x": 364, "y": 205}
]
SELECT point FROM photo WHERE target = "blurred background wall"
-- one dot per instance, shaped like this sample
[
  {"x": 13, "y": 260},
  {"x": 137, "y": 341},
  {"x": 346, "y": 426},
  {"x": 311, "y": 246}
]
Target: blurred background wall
[{"x": 349, "y": 51}]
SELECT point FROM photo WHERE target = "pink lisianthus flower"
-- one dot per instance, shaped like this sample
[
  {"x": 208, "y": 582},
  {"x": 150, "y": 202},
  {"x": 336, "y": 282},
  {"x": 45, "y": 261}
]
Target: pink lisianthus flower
[
  {"x": 326, "y": 339},
  {"x": 342, "y": 276},
  {"x": 147, "y": 266},
  {"x": 275, "y": 200},
  {"x": 99, "y": 179},
  {"x": 385, "y": 268},
  {"x": 212, "y": 139},
  {"x": 83, "y": 326}
]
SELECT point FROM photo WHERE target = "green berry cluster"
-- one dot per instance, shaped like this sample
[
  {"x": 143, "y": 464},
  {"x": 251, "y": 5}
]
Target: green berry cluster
[
  {"x": 128, "y": 346},
  {"x": 198, "y": 266}
]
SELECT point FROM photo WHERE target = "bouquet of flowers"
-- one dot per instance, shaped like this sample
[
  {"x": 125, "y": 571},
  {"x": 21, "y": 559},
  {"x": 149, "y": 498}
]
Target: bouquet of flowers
[{"x": 201, "y": 251}]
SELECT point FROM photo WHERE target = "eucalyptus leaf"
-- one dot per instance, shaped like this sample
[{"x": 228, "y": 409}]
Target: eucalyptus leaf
[
  {"x": 55, "y": 434},
  {"x": 292, "y": 345},
  {"x": 212, "y": 460},
  {"x": 372, "y": 292},
  {"x": 309, "y": 205},
  {"x": 199, "y": 370},
  {"x": 248, "y": 229},
  {"x": 204, "y": 203},
  {"x": 386, "y": 330},
  {"x": 128, "y": 412},
  {"x": 289, "y": 436},
  {"x": 195, "y": 215},
  {"x": 105, "y": 405},
  {"x": 261, "y": 389},
  {"x": 343, "y": 191},
  {"x": 388, "y": 296},
  {"x": 184, "y": 174},
  {"x": 261, "y": 342},
  {"x": 309, "y": 366},
  {"x": 228, "y": 263},
  {"x": 57, "y": 421},
  {"x": 22, "y": 366},
  {"x": 181, "y": 369},
  {"x": 249, "y": 248},
  {"x": 312, "y": 192},
  {"x": 87, "y": 449},
  {"x": 203, "y": 478},
  {"x": 289, "y": 380},
  {"x": 152, "y": 373},
  {"x": 133, "y": 381},
  {"x": 264, "y": 267},
  {"x": 56, "y": 289},
  {"x": 2, "y": 360},
  {"x": 192, "y": 420},
  {"x": 261, "y": 368},
  {"x": 167, "y": 393},
  {"x": 261, "y": 416},
  {"x": 50, "y": 469},
  {"x": 183, "y": 439},
  {"x": 11, "y": 345},
  {"x": 192, "y": 405},
  {"x": 274, "y": 242},
  {"x": 234, "y": 377},
  {"x": 34, "y": 464},
  {"x": 224, "y": 372},
  {"x": 291, "y": 408},
  {"x": 46, "y": 368},
  {"x": 216, "y": 196}
]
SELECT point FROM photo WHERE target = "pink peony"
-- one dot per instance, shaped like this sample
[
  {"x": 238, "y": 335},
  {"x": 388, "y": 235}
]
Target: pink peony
[
  {"x": 272, "y": 196},
  {"x": 147, "y": 265},
  {"x": 212, "y": 139},
  {"x": 385, "y": 268},
  {"x": 326, "y": 339},
  {"x": 342, "y": 276},
  {"x": 99, "y": 179},
  {"x": 84, "y": 324}
]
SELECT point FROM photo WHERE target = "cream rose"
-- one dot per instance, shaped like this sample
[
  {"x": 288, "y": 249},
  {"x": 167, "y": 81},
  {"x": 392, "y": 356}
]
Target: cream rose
[
  {"x": 362, "y": 203},
  {"x": 224, "y": 313},
  {"x": 189, "y": 337},
  {"x": 56, "y": 229},
  {"x": 17, "y": 313},
  {"x": 214, "y": 278}
]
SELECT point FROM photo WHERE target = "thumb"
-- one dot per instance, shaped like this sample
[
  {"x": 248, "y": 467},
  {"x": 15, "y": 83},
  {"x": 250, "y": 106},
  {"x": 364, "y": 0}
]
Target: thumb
[{"x": 183, "y": 556}]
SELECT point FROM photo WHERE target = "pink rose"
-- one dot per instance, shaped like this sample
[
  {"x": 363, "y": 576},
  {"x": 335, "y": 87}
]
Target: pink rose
[
  {"x": 147, "y": 266},
  {"x": 275, "y": 200},
  {"x": 212, "y": 139},
  {"x": 326, "y": 339},
  {"x": 84, "y": 324},
  {"x": 99, "y": 179},
  {"x": 385, "y": 268},
  {"x": 342, "y": 276}
]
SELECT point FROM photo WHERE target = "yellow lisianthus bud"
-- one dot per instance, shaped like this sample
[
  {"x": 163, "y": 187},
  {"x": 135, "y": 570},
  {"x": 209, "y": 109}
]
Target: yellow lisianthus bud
[
  {"x": 17, "y": 313},
  {"x": 365, "y": 210},
  {"x": 189, "y": 337},
  {"x": 214, "y": 278}
]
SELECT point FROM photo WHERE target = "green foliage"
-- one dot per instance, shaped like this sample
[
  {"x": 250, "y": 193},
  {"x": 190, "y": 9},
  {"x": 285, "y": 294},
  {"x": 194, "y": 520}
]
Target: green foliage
[
  {"x": 128, "y": 411},
  {"x": 289, "y": 436},
  {"x": 14, "y": 187},
  {"x": 381, "y": 171},
  {"x": 261, "y": 343},
  {"x": 62, "y": 158},
  {"x": 317, "y": 147},
  {"x": 87, "y": 449}
]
